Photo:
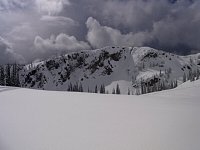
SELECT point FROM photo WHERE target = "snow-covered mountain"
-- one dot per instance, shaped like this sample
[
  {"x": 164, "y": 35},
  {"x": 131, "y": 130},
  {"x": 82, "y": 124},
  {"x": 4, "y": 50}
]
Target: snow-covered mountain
[{"x": 129, "y": 67}]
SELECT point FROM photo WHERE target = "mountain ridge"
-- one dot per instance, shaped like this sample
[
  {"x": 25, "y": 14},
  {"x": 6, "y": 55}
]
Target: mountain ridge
[{"x": 108, "y": 66}]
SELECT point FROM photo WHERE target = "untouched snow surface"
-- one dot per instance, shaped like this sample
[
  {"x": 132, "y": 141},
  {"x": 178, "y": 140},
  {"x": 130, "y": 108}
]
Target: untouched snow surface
[{"x": 44, "y": 120}]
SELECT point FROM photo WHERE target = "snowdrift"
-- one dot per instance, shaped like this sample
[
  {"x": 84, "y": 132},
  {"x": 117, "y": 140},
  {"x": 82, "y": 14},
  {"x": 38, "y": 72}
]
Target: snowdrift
[{"x": 46, "y": 120}]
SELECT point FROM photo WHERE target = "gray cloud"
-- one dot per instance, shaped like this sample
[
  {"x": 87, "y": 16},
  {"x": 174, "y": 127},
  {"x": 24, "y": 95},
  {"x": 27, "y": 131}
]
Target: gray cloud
[
  {"x": 52, "y": 7},
  {"x": 59, "y": 20},
  {"x": 171, "y": 25},
  {"x": 156, "y": 23},
  {"x": 7, "y": 54},
  {"x": 100, "y": 36},
  {"x": 58, "y": 44},
  {"x": 20, "y": 26},
  {"x": 13, "y": 4}
]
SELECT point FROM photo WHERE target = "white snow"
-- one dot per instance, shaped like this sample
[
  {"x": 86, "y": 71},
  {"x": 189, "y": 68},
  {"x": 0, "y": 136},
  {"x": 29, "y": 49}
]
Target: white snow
[{"x": 46, "y": 120}]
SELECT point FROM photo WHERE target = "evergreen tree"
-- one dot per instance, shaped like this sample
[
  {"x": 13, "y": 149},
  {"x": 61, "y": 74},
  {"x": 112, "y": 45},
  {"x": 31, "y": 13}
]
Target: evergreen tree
[
  {"x": 198, "y": 74},
  {"x": 191, "y": 76},
  {"x": 80, "y": 88},
  {"x": 118, "y": 89},
  {"x": 70, "y": 88},
  {"x": 137, "y": 91},
  {"x": 142, "y": 87},
  {"x": 172, "y": 85},
  {"x": 75, "y": 88},
  {"x": 184, "y": 77},
  {"x": 148, "y": 88},
  {"x": 14, "y": 75},
  {"x": 128, "y": 91},
  {"x": 113, "y": 91},
  {"x": 96, "y": 89},
  {"x": 175, "y": 84},
  {"x": 18, "y": 80},
  {"x": 163, "y": 86},
  {"x": 102, "y": 89},
  {"x": 7, "y": 75},
  {"x": 2, "y": 76}
]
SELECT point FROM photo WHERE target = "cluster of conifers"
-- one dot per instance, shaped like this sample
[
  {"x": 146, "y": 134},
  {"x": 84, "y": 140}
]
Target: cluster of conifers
[{"x": 9, "y": 75}]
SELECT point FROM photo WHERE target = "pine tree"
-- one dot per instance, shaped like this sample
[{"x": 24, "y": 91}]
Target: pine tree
[
  {"x": 184, "y": 77},
  {"x": 172, "y": 85},
  {"x": 7, "y": 75},
  {"x": 198, "y": 74},
  {"x": 70, "y": 87},
  {"x": 128, "y": 91},
  {"x": 137, "y": 91},
  {"x": 102, "y": 89},
  {"x": 96, "y": 89},
  {"x": 113, "y": 91},
  {"x": 118, "y": 89},
  {"x": 14, "y": 76},
  {"x": 191, "y": 76},
  {"x": 75, "y": 88},
  {"x": 175, "y": 84},
  {"x": 142, "y": 87},
  {"x": 163, "y": 86},
  {"x": 80, "y": 88},
  {"x": 17, "y": 79},
  {"x": 148, "y": 89},
  {"x": 2, "y": 76}
]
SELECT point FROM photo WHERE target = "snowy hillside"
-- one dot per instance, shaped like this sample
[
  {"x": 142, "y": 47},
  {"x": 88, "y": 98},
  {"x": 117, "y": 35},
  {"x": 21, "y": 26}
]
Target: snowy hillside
[
  {"x": 129, "y": 67},
  {"x": 47, "y": 120}
]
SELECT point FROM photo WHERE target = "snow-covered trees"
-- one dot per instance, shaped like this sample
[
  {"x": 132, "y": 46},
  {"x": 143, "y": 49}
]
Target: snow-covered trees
[
  {"x": 77, "y": 87},
  {"x": 2, "y": 76},
  {"x": 156, "y": 84},
  {"x": 9, "y": 75},
  {"x": 102, "y": 89},
  {"x": 192, "y": 75}
]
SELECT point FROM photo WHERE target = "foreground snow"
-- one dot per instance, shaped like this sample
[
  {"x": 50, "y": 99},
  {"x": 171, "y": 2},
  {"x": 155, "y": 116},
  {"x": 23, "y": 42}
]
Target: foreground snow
[{"x": 43, "y": 120}]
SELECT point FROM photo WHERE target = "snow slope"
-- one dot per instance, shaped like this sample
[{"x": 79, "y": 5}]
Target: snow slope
[{"x": 47, "y": 120}]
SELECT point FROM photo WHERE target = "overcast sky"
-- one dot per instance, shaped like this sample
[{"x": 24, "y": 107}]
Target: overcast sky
[{"x": 37, "y": 29}]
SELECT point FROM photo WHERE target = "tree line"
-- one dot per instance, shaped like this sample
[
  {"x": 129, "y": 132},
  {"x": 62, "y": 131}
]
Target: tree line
[
  {"x": 78, "y": 87},
  {"x": 9, "y": 75},
  {"x": 158, "y": 85},
  {"x": 192, "y": 75}
]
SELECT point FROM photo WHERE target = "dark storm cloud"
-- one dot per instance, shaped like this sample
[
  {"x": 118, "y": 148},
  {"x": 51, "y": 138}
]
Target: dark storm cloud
[{"x": 47, "y": 27}]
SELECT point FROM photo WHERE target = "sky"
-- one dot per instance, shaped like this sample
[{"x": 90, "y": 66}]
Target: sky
[{"x": 37, "y": 29}]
